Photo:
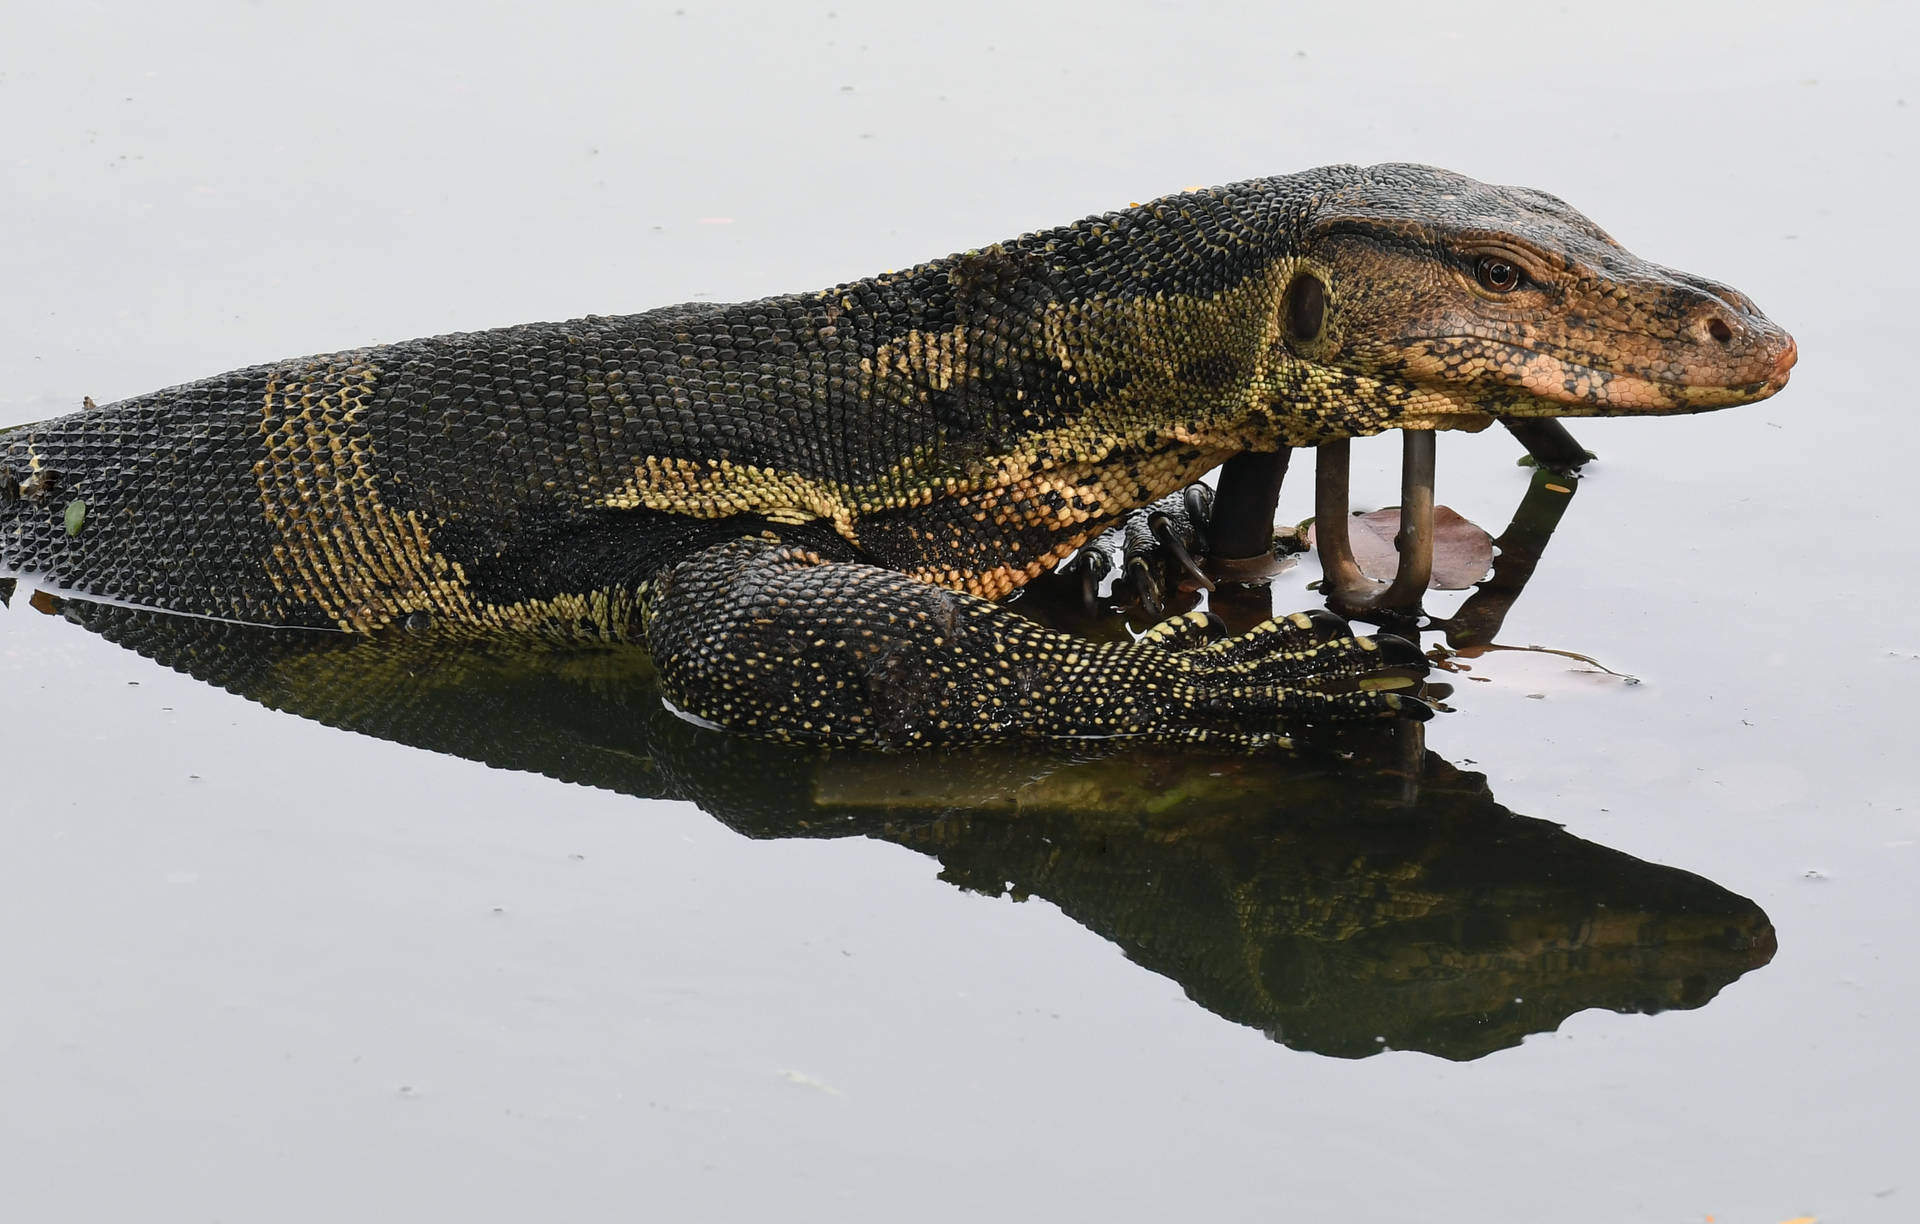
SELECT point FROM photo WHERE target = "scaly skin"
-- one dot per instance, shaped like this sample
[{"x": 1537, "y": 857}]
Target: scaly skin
[{"x": 803, "y": 504}]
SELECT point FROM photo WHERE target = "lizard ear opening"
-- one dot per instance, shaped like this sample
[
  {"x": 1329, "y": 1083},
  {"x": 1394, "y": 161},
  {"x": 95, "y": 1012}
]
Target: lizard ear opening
[{"x": 1304, "y": 306}]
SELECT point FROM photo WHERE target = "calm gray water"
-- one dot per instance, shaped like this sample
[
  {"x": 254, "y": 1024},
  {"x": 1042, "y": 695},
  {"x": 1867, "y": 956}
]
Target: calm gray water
[{"x": 262, "y": 968}]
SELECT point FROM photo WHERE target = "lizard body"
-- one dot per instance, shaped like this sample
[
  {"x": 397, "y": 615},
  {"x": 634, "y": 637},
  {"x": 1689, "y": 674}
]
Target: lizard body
[{"x": 803, "y": 504}]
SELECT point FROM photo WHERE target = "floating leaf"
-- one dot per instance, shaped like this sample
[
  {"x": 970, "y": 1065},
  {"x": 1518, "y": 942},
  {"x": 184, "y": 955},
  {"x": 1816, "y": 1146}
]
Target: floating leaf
[
  {"x": 1462, "y": 552},
  {"x": 76, "y": 516}
]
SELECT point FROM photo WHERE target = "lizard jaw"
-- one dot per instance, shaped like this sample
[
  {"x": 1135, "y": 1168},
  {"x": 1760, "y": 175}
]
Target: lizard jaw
[{"x": 1483, "y": 377}]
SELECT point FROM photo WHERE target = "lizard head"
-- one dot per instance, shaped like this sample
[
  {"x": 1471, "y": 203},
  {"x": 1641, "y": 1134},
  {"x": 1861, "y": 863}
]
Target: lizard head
[{"x": 1442, "y": 302}]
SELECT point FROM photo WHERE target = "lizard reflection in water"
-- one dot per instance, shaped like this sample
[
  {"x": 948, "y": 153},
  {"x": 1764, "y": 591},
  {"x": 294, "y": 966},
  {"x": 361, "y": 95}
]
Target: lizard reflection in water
[{"x": 1319, "y": 899}]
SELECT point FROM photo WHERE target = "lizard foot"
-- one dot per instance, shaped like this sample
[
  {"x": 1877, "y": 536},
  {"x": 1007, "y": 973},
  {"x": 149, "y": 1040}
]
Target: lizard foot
[
  {"x": 1161, "y": 555},
  {"x": 1153, "y": 553},
  {"x": 1301, "y": 671}
]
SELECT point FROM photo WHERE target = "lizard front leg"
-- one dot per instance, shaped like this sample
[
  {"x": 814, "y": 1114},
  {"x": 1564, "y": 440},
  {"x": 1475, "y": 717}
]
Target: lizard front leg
[{"x": 771, "y": 639}]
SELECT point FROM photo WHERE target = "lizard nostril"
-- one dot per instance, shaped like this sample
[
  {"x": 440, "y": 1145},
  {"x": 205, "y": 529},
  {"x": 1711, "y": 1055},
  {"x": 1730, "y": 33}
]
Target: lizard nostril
[{"x": 1718, "y": 329}]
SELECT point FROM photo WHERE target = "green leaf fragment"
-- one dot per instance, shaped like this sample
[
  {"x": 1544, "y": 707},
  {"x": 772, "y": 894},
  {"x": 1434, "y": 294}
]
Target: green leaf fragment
[{"x": 76, "y": 516}]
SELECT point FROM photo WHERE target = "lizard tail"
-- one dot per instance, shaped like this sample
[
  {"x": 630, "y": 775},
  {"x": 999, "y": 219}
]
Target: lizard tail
[{"x": 122, "y": 502}]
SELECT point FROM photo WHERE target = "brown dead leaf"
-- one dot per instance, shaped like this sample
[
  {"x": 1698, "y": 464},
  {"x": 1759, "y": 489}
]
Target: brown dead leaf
[{"x": 1462, "y": 552}]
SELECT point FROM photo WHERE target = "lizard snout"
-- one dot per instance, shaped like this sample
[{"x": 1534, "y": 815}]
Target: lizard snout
[
  {"x": 1789, "y": 353},
  {"x": 1737, "y": 345}
]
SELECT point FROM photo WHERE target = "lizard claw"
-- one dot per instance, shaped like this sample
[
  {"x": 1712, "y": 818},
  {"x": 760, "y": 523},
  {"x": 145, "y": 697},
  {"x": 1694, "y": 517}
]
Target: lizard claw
[
  {"x": 1162, "y": 529},
  {"x": 1146, "y": 586},
  {"x": 1086, "y": 569},
  {"x": 1197, "y": 501}
]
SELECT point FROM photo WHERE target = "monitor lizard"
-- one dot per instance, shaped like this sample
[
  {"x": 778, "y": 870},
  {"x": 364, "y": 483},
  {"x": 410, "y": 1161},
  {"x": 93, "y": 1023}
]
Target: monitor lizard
[{"x": 806, "y": 506}]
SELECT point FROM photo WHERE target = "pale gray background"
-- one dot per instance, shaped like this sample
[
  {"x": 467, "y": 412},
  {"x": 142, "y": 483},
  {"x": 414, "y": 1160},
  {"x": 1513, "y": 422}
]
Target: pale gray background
[{"x": 252, "y": 966}]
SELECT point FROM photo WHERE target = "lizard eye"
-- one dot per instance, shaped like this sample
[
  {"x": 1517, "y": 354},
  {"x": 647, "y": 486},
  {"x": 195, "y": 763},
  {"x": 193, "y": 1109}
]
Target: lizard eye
[{"x": 1497, "y": 275}]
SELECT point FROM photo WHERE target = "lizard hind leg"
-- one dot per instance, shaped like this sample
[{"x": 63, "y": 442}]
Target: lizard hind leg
[{"x": 770, "y": 638}]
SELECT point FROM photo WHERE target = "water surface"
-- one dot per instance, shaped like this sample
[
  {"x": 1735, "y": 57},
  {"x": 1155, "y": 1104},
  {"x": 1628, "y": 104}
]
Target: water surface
[{"x": 573, "y": 965}]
